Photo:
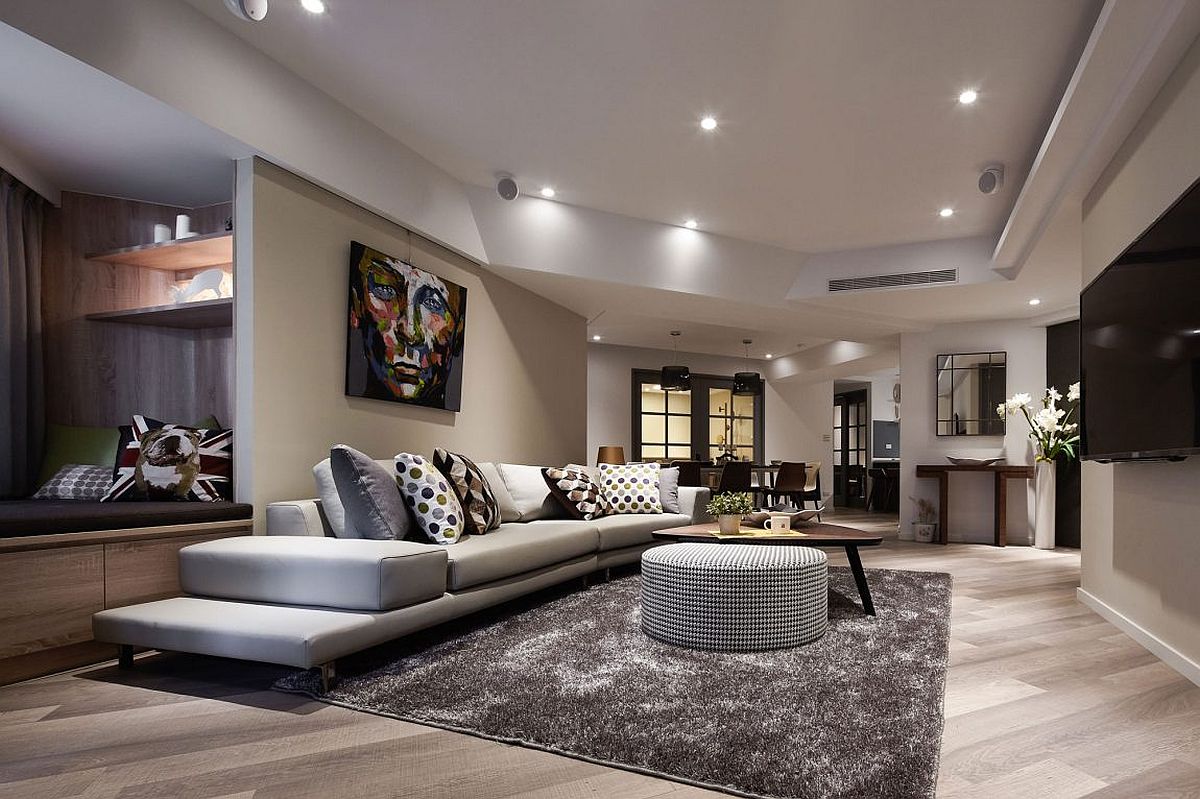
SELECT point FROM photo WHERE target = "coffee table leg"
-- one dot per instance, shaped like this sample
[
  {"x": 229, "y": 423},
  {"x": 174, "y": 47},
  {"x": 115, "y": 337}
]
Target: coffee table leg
[{"x": 860, "y": 579}]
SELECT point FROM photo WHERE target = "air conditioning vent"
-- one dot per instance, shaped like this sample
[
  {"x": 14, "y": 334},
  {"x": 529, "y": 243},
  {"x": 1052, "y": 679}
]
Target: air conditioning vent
[{"x": 894, "y": 281}]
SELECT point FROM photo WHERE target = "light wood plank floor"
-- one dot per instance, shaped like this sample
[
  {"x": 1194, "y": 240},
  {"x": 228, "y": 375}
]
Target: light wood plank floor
[{"x": 1044, "y": 699}]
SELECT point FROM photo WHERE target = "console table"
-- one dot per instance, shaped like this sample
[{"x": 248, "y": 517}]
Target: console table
[{"x": 1001, "y": 474}]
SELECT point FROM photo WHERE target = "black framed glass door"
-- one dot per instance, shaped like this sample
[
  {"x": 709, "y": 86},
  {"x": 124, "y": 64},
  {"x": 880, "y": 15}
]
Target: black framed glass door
[
  {"x": 850, "y": 420},
  {"x": 707, "y": 423}
]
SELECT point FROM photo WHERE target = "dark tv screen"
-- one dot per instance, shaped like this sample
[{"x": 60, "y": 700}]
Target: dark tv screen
[{"x": 1140, "y": 344}]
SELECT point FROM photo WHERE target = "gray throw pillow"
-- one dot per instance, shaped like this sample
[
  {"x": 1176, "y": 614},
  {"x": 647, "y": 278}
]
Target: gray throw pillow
[
  {"x": 331, "y": 503},
  {"x": 668, "y": 489},
  {"x": 508, "y": 506},
  {"x": 369, "y": 494}
]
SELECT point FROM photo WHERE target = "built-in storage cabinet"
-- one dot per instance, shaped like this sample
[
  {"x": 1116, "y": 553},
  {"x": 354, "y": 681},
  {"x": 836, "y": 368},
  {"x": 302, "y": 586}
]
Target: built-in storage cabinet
[{"x": 117, "y": 339}]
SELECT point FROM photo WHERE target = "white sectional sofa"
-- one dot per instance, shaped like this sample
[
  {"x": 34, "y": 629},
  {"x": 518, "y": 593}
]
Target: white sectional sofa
[{"x": 302, "y": 598}]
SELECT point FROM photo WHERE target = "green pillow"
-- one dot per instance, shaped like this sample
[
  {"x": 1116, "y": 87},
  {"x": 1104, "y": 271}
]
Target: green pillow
[{"x": 68, "y": 444}]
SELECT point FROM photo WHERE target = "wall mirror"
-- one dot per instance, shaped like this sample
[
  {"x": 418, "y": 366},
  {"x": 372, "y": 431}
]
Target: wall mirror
[{"x": 969, "y": 387}]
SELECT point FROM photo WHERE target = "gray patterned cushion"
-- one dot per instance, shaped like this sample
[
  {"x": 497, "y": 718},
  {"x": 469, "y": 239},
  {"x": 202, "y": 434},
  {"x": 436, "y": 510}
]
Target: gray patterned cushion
[
  {"x": 481, "y": 509},
  {"x": 77, "y": 481},
  {"x": 579, "y": 494},
  {"x": 429, "y": 496},
  {"x": 631, "y": 488}
]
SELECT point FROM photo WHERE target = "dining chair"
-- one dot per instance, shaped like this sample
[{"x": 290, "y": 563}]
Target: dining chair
[
  {"x": 735, "y": 477},
  {"x": 883, "y": 488},
  {"x": 789, "y": 484},
  {"x": 812, "y": 485},
  {"x": 689, "y": 473}
]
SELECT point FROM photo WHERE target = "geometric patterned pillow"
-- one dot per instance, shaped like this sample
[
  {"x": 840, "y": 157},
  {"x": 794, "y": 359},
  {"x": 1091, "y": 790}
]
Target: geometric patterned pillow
[
  {"x": 429, "y": 496},
  {"x": 631, "y": 488},
  {"x": 481, "y": 510},
  {"x": 574, "y": 488},
  {"x": 77, "y": 481},
  {"x": 173, "y": 462}
]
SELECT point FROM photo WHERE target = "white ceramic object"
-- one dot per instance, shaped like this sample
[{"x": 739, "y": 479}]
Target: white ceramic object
[
  {"x": 923, "y": 533},
  {"x": 162, "y": 233},
  {"x": 729, "y": 523},
  {"x": 183, "y": 226},
  {"x": 957, "y": 461},
  {"x": 1043, "y": 520},
  {"x": 779, "y": 522}
]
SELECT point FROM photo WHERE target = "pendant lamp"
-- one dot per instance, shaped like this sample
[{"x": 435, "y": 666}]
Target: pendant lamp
[
  {"x": 747, "y": 384},
  {"x": 675, "y": 377}
]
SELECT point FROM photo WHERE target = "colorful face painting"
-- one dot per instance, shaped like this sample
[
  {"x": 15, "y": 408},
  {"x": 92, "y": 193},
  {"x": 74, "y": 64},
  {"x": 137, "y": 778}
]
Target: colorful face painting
[{"x": 406, "y": 332}]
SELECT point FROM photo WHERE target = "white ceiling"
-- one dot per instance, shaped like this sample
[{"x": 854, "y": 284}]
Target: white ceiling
[
  {"x": 82, "y": 130},
  {"x": 839, "y": 121}
]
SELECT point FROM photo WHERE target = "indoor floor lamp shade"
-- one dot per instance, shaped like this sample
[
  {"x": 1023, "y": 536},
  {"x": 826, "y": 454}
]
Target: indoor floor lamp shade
[{"x": 611, "y": 454}]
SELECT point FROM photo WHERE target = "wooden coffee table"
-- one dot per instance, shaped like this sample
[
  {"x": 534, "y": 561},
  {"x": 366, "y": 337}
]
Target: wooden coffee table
[{"x": 810, "y": 535}]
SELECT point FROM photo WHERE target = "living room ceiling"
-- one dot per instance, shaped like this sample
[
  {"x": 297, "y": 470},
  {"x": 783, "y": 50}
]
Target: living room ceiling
[{"x": 838, "y": 124}]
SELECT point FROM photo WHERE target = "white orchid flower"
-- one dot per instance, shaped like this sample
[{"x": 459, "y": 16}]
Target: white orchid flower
[
  {"x": 1073, "y": 392},
  {"x": 1019, "y": 401},
  {"x": 1002, "y": 409},
  {"x": 1053, "y": 394}
]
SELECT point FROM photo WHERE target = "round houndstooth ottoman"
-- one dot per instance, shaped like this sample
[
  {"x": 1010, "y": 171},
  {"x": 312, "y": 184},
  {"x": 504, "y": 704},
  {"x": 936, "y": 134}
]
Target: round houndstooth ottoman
[{"x": 735, "y": 597}]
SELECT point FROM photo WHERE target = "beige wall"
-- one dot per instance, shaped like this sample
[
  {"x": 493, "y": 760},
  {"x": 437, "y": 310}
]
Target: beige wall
[
  {"x": 971, "y": 496},
  {"x": 525, "y": 358},
  {"x": 797, "y": 416},
  {"x": 1141, "y": 537}
]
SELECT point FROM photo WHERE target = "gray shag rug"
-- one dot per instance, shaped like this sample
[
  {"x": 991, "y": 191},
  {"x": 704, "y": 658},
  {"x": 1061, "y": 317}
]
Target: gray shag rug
[{"x": 857, "y": 713}]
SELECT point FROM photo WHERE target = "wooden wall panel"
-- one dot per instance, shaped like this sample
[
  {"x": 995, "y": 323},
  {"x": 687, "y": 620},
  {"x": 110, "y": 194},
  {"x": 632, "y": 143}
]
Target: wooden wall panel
[
  {"x": 143, "y": 571},
  {"x": 49, "y": 597},
  {"x": 101, "y": 373}
]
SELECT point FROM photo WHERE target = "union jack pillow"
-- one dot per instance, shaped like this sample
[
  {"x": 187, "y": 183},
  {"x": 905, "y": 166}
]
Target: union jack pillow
[{"x": 173, "y": 462}]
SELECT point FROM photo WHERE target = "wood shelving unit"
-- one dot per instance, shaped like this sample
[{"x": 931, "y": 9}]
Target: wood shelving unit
[
  {"x": 197, "y": 252},
  {"x": 188, "y": 315}
]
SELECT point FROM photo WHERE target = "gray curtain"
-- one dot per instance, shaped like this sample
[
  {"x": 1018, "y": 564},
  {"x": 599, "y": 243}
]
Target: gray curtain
[{"x": 22, "y": 425}]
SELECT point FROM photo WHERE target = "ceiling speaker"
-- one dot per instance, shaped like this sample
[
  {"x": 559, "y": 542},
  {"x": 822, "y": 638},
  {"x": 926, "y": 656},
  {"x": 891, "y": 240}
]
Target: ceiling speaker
[
  {"x": 507, "y": 188},
  {"x": 991, "y": 180},
  {"x": 249, "y": 10}
]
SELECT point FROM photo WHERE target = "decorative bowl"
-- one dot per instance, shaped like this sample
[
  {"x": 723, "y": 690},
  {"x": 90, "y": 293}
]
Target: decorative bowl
[{"x": 957, "y": 461}]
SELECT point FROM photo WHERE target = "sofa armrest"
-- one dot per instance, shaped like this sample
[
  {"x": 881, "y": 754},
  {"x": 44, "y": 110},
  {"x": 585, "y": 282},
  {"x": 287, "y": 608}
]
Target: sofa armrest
[
  {"x": 693, "y": 501},
  {"x": 297, "y": 517}
]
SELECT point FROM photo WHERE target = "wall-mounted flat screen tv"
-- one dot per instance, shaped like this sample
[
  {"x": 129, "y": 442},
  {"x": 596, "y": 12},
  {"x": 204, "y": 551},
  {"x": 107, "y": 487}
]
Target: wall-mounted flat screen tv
[{"x": 1140, "y": 344}]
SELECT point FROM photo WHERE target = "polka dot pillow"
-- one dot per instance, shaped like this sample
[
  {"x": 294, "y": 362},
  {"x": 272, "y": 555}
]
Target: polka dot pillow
[
  {"x": 632, "y": 488},
  {"x": 434, "y": 506}
]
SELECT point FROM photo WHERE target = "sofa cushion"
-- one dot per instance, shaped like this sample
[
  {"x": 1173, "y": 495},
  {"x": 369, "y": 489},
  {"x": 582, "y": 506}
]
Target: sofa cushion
[
  {"x": 508, "y": 506},
  {"x": 513, "y": 549},
  {"x": 21, "y": 517},
  {"x": 353, "y": 574},
  {"x": 631, "y": 488},
  {"x": 331, "y": 503},
  {"x": 530, "y": 493},
  {"x": 434, "y": 506},
  {"x": 628, "y": 530},
  {"x": 96, "y": 446},
  {"x": 668, "y": 489},
  {"x": 370, "y": 495},
  {"x": 579, "y": 495},
  {"x": 481, "y": 510}
]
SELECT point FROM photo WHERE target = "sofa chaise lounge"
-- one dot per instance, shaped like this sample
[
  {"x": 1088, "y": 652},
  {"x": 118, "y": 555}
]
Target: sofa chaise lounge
[{"x": 301, "y": 597}]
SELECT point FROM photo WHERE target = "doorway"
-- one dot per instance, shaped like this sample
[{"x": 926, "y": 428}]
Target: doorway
[{"x": 850, "y": 420}]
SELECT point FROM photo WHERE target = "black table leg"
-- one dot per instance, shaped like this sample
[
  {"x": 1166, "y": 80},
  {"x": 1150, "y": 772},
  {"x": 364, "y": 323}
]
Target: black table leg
[{"x": 860, "y": 579}]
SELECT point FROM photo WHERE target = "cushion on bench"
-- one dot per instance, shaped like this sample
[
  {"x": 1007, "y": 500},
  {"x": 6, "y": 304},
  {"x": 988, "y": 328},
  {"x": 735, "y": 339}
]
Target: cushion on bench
[
  {"x": 634, "y": 529},
  {"x": 345, "y": 573},
  {"x": 22, "y": 517}
]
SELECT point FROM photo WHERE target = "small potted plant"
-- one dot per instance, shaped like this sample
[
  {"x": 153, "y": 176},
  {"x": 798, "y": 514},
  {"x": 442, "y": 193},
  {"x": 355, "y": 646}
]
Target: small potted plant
[
  {"x": 925, "y": 525},
  {"x": 729, "y": 508}
]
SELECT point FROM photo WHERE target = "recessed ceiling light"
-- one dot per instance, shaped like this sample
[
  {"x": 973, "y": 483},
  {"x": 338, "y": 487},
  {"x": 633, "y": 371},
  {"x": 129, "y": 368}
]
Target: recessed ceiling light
[
  {"x": 313, "y": 6},
  {"x": 595, "y": 338},
  {"x": 769, "y": 356},
  {"x": 968, "y": 96},
  {"x": 691, "y": 224},
  {"x": 548, "y": 192},
  {"x": 1035, "y": 301},
  {"x": 946, "y": 213},
  {"x": 708, "y": 123},
  {"x": 1195, "y": 332}
]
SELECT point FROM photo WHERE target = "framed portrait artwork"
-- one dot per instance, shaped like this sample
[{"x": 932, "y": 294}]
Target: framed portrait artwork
[{"x": 404, "y": 340}]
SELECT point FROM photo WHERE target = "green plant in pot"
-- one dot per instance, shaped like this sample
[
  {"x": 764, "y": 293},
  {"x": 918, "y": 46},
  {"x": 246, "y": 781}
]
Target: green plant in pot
[{"x": 729, "y": 508}]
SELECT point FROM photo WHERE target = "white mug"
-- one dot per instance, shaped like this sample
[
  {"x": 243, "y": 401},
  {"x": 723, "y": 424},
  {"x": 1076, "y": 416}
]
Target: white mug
[
  {"x": 779, "y": 523},
  {"x": 162, "y": 233},
  {"x": 183, "y": 226}
]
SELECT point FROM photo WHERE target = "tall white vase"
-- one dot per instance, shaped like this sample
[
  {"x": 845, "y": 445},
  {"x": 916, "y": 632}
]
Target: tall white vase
[{"x": 1043, "y": 523}]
